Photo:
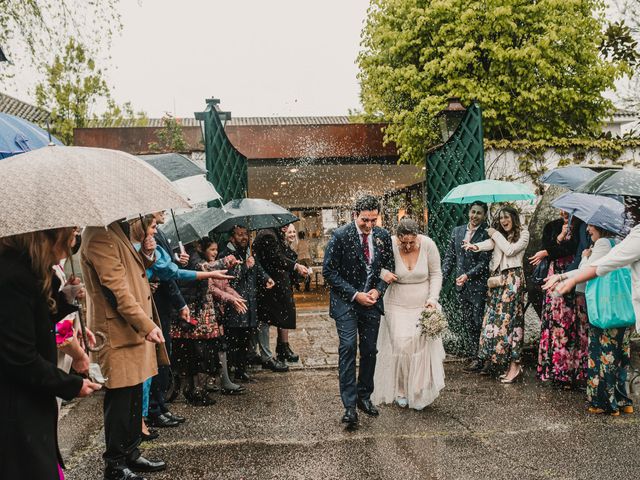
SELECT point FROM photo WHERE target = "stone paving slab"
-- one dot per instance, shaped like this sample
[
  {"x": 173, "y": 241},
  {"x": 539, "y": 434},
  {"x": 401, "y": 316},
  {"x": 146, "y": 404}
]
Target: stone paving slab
[{"x": 287, "y": 427}]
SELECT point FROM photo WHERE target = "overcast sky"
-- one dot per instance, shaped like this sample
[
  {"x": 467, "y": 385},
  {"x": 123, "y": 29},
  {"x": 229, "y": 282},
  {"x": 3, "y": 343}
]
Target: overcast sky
[{"x": 261, "y": 58}]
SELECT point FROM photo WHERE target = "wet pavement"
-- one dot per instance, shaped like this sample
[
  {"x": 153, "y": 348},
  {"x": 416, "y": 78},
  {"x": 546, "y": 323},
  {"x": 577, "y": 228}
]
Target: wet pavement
[{"x": 288, "y": 427}]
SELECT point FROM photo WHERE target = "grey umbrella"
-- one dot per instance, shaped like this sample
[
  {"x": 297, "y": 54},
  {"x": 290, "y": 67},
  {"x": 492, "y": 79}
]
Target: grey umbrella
[
  {"x": 614, "y": 182},
  {"x": 569, "y": 177},
  {"x": 254, "y": 214},
  {"x": 55, "y": 186},
  {"x": 193, "y": 225}
]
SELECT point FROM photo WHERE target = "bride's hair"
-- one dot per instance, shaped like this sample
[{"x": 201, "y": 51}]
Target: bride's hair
[{"x": 407, "y": 226}]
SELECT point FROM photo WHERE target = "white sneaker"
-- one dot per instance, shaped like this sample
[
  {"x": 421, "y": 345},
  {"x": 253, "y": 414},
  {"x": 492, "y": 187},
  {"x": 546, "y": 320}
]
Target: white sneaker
[{"x": 402, "y": 402}]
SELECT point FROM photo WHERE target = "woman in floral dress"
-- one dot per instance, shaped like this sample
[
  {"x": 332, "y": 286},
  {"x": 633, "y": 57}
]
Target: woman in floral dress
[
  {"x": 562, "y": 353},
  {"x": 609, "y": 348},
  {"x": 503, "y": 325}
]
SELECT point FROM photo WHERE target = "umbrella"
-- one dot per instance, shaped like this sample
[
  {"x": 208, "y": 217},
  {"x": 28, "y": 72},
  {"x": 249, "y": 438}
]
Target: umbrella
[
  {"x": 188, "y": 177},
  {"x": 613, "y": 182},
  {"x": 19, "y": 136},
  {"x": 603, "y": 212},
  {"x": 193, "y": 225},
  {"x": 489, "y": 191},
  {"x": 568, "y": 177},
  {"x": 56, "y": 187},
  {"x": 254, "y": 214}
]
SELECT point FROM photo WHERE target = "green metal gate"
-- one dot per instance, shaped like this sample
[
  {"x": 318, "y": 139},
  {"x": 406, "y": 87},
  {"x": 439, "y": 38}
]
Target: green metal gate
[
  {"x": 459, "y": 160},
  {"x": 226, "y": 166}
]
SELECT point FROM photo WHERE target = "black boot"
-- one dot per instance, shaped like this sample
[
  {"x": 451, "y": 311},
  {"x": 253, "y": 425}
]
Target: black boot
[{"x": 284, "y": 352}]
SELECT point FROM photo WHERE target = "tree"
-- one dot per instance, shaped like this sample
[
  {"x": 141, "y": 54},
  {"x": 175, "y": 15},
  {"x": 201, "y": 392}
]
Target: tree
[
  {"x": 73, "y": 86},
  {"x": 30, "y": 28},
  {"x": 535, "y": 67},
  {"x": 170, "y": 137}
]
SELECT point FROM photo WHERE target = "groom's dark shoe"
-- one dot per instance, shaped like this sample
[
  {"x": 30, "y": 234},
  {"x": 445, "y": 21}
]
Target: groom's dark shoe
[
  {"x": 367, "y": 407},
  {"x": 350, "y": 417}
]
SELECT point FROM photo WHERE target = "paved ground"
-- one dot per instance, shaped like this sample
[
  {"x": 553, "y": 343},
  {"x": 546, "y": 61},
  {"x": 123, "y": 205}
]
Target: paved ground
[{"x": 287, "y": 427}]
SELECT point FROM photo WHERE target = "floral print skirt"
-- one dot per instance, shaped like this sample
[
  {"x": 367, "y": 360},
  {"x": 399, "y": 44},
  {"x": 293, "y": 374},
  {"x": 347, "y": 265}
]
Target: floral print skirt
[
  {"x": 564, "y": 337},
  {"x": 609, "y": 358},
  {"x": 503, "y": 324}
]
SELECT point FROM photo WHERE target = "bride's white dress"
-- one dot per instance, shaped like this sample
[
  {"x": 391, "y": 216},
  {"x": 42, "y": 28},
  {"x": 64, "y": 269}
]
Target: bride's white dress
[{"x": 410, "y": 365}]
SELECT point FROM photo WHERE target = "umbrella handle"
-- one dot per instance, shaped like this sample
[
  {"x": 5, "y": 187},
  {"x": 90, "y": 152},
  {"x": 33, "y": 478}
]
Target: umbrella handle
[{"x": 175, "y": 225}]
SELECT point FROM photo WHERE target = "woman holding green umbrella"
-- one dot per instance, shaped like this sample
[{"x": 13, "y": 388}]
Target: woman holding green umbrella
[{"x": 502, "y": 334}]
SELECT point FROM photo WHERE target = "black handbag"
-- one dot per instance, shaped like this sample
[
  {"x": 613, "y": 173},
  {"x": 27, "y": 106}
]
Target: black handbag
[{"x": 541, "y": 272}]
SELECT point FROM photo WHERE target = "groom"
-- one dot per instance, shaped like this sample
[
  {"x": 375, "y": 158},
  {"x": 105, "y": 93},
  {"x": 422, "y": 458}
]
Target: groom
[{"x": 352, "y": 262}]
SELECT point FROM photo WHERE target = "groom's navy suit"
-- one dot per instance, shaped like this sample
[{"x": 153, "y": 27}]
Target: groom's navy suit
[{"x": 347, "y": 273}]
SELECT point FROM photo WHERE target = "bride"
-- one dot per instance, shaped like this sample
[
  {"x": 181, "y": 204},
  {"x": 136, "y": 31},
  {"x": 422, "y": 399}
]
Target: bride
[{"x": 410, "y": 367}]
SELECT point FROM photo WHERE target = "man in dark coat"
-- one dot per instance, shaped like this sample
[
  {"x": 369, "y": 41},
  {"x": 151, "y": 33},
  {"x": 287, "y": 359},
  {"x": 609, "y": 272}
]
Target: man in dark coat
[
  {"x": 168, "y": 299},
  {"x": 276, "y": 306},
  {"x": 353, "y": 261},
  {"x": 247, "y": 276},
  {"x": 471, "y": 271}
]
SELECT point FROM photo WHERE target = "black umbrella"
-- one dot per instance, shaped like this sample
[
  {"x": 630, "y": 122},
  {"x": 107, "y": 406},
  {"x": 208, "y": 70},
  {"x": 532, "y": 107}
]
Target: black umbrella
[
  {"x": 194, "y": 225},
  {"x": 613, "y": 182},
  {"x": 254, "y": 214}
]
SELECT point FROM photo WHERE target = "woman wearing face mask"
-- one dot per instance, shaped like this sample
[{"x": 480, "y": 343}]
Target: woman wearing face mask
[
  {"x": 609, "y": 348},
  {"x": 562, "y": 355},
  {"x": 503, "y": 324}
]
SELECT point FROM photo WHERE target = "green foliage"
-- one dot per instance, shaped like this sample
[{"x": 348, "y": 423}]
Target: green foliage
[
  {"x": 73, "y": 86},
  {"x": 31, "y": 30},
  {"x": 535, "y": 67},
  {"x": 619, "y": 44},
  {"x": 532, "y": 162},
  {"x": 170, "y": 137}
]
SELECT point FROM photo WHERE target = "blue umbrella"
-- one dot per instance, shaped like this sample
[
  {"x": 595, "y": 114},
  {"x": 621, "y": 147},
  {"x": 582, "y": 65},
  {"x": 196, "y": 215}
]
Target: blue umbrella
[
  {"x": 18, "y": 136},
  {"x": 568, "y": 177},
  {"x": 603, "y": 212}
]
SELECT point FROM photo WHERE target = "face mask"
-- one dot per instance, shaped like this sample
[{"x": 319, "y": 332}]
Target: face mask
[{"x": 76, "y": 247}]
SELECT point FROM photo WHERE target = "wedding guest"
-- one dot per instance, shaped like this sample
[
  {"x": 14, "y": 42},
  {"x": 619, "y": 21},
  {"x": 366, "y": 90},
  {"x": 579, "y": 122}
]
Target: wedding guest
[
  {"x": 470, "y": 270},
  {"x": 239, "y": 327},
  {"x": 410, "y": 368},
  {"x": 503, "y": 324},
  {"x": 168, "y": 301},
  {"x": 200, "y": 346},
  {"x": 120, "y": 307},
  {"x": 30, "y": 306},
  {"x": 609, "y": 349},
  {"x": 276, "y": 306},
  {"x": 562, "y": 353}
]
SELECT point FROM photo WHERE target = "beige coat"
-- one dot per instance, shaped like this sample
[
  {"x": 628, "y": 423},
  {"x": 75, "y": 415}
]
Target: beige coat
[{"x": 111, "y": 264}]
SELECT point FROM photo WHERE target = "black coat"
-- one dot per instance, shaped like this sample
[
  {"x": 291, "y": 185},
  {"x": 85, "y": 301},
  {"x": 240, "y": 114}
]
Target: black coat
[
  {"x": 550, "y": 239},
  {"x": 29, "y": 378},
  {"x": 345, "y": 270},
  {"x": 245, "y": 282},
  {"x": 276, "y": 305},
  {"x": 458, "y": 261}
]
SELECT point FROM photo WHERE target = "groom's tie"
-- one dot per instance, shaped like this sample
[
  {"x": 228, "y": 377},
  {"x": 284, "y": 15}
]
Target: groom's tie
[{"x": 365, "y": 248}]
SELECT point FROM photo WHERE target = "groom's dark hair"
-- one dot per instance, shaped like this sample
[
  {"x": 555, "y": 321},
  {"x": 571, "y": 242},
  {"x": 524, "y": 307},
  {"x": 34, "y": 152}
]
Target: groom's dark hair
[{"x": 366, "y": 203}]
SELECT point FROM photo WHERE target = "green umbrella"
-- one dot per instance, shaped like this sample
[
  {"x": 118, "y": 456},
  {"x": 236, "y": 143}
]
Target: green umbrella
[
  {"x": 489, "y": 191},
  {"x": 254, "y": 214},
  {"x": 193, "y": 225}
]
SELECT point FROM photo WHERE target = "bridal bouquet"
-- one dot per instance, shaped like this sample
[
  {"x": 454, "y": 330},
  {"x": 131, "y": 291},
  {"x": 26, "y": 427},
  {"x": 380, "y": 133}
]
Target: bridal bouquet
[{"x": 432, "y": 323}]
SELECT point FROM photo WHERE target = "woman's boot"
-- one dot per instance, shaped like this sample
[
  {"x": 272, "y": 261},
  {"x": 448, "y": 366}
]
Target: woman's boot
[{"x": 284, "y": 352}]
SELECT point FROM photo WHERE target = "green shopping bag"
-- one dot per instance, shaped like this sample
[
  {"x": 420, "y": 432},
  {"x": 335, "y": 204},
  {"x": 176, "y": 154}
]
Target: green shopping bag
[{"x": 609, "y": 300}]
